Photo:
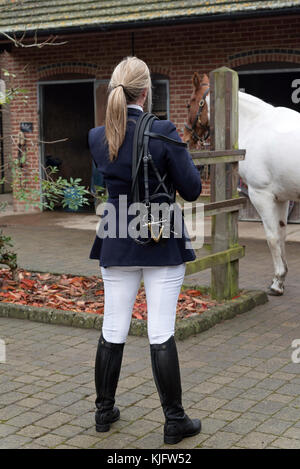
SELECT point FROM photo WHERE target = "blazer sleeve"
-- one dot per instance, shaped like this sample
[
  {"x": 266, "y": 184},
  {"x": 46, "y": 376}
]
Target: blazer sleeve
[{"x": 183, "y": 173}]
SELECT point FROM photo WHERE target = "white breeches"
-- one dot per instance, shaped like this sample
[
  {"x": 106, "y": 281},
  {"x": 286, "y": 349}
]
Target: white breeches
[{"x": 121, "y": 283}]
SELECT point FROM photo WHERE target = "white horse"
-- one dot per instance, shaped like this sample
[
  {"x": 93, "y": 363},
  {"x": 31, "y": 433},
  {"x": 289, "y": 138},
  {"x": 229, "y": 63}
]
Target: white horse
[{"x": 271, "y": 169}]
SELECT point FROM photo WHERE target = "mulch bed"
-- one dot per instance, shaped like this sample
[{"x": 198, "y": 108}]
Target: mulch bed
[{"x": 84, "y": 294}]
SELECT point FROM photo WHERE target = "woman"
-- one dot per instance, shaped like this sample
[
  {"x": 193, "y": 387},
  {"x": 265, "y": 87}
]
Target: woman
[{"x": 124, "y": 262}]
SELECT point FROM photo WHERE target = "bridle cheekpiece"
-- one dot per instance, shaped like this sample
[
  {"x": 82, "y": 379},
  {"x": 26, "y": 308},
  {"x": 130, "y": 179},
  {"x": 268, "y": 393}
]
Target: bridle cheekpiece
[{"x": 197, "y": 119}]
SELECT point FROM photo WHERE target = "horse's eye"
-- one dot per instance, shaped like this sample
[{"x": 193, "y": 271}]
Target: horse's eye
[{"x": 188, "y": 106}]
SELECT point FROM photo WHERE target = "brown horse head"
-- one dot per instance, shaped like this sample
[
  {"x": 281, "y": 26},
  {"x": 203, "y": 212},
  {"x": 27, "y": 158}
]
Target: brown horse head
[{"x": 197, "y": 127}]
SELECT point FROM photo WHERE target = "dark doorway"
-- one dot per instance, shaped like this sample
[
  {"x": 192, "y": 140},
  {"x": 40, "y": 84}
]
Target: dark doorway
[
  {"x": 68, "y": 113},
  {"x": 279, "y": 89}
]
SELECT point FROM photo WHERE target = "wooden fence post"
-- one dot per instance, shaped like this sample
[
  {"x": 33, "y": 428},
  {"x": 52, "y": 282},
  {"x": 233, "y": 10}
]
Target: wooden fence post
[{"x": 224, "y": 136}]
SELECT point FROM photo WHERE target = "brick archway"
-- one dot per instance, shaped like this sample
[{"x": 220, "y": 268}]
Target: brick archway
[
  {"x": 76, "y": 68},
  {"x": 264, "y": 55},
  {"x": 157, "y": 70}
]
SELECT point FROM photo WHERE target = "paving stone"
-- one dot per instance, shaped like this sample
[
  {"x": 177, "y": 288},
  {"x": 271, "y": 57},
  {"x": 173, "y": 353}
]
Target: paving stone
[
  {"x": 116, "y": 441},
  {"x": 206, "y": 388},
  {"x": 62, "y": 388},
  {"x": 10, "y": 386},
  {"x": 25, "y": 419},
  {"x": 49, "y": 440},
  {"x": 47, "y": 409},
  {"x": 256, "y": 394},
  {"x": 211, "y": 425},
  {"x": 85, "y": 420},
  {"x": 30, "y": 390},
  {"x": 148, "y": 403},
  {"x": 290, "y": 389},
  {"x": 256, "y": 440},
  {"x": 55, "y": 378},
  {"x": 10, "y": 411},
  {"x": 210, "y": 404},
  {"x": 33, "y": 445},
  {"x": 273, "y": 426},
  {"x": 13, "y": 441},
  {"x": 195, "y": 442},
  {"x": 241, "y": 426},
  {"x": 280, "y": 398},
  {"x": 65, "y": 399},
  {"x": 32, "y": 431},
  {"x": 270, "y": 383},
  {"x": 239, "y": 405},
  {"x": 67, "y": 430},
  {"x": 26, "y": 379},
  {"x": 226, "y": 392},
  {"x": 156, "y": 415},
  {"x": 82, "y": 441},
  {"x": 293, "y": 432},
  {"x": 64, "y": 447},
  {"x": 226, "y": 415},
  {"x": 132, "y": 382},
  {"x": 79, "y": 407},
  {"x": 129, "y": 398},
  {"x": 151, "y": 441},
  {"x": 54, "y": 420},
  {"x": 10, "y": 397},
  {"x": 267, "y": 407},
  {"x": 141, "y": 427},
  {"x": 44, "y": 395},
  {"x": 132, "y": 413},
  {"x": 286, "y": 443},
  {"x": 288, "y": 413},
  {"x": 221, "y": 379},
  {"x": 30, "y": 402},
  {"x": 221, "y": 440},
  {"x": 244, "y": 383},
  {"x": 6, "y": 430}
]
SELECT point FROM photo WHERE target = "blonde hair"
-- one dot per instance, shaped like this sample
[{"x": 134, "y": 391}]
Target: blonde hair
[{"x": 127, "y": 82}]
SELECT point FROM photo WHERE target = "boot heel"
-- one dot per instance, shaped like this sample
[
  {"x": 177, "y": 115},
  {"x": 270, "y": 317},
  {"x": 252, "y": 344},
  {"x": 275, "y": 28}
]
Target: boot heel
[
  {"x": 103, "y": 427},
  {"x": 172, "y": 440}
]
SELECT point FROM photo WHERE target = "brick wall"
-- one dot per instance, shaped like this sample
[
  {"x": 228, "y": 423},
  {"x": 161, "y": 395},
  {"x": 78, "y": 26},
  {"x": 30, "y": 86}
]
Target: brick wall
[
  {"x": 6, "y": 142},
  {"x": 174, "y": 51}
]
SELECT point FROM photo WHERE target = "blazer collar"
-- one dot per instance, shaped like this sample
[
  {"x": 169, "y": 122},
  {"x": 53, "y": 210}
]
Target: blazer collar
[{"x": 133, "y": 112}]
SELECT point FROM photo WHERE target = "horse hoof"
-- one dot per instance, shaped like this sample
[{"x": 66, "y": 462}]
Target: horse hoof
[{"x": 272, "y": 292}]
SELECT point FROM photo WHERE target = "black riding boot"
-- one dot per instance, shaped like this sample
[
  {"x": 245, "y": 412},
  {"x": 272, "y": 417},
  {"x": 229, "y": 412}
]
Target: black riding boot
[
  {"x": 166, "y": 374},
  {"x": 107, "y": 372}
]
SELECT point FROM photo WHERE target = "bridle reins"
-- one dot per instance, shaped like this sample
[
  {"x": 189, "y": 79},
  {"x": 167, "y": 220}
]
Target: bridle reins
[{"x": 197, "y": 119}]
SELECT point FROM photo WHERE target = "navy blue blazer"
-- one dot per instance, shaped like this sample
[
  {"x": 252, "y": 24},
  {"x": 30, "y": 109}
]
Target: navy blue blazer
[{"x": 182, "y": 173}]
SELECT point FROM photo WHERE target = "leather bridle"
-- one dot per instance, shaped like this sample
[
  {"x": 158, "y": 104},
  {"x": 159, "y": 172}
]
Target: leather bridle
[{"x": 197, "y": 119}]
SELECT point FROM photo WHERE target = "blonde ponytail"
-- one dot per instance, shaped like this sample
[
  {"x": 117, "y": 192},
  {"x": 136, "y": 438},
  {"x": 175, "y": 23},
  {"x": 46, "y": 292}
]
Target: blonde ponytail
[{"x": 127, "y": 82}]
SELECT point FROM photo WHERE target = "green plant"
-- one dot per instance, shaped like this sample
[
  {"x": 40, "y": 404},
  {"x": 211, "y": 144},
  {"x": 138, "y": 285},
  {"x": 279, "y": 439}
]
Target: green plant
[
  {"x": 7, "y": 257},
  {"x": 100, "y": 194},
  {"x": 69, "y": 193}
]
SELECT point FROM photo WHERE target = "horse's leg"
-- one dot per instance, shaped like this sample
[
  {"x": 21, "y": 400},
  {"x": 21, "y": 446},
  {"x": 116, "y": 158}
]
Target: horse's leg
[{"x": 274, "y": 217}]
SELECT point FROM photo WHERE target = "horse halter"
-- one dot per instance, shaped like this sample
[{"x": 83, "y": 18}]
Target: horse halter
[{"x": 197, "y": 119}]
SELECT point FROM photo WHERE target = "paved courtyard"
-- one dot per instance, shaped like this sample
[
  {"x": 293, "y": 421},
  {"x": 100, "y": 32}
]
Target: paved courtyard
[{"x": 237, "y": 377}]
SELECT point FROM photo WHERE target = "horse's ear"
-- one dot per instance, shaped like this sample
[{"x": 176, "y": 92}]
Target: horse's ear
[
  {"x": 205, "y": 78},
  {"x": 196, "y": 81}
]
